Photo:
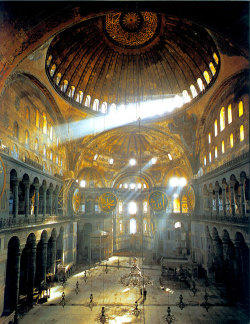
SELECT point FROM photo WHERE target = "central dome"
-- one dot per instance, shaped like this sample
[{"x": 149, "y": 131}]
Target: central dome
[{"x": 124, "y": 58}]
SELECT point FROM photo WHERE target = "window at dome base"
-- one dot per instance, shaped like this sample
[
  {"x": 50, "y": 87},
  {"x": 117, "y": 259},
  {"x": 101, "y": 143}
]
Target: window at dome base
[
  {"x": 229, "y": 114},
  {"x": 231, "y": 140},
  {"x": 222, "y": 119},
  {"x": 132, "y": 227},
  {"x": 207, "y": 77},
  {"x": 222, "y": 147},
  {"x": 240, "y": 108},
  {"x": 241, "y": 133}
]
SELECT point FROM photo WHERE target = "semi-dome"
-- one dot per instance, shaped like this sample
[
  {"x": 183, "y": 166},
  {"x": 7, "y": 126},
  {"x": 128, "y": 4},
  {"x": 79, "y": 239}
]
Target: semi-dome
[{"x": 124, "y": 58}]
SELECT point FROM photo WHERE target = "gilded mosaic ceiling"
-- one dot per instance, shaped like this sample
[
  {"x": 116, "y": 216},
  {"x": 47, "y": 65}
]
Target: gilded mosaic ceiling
[{"x": 131, "y": 29}]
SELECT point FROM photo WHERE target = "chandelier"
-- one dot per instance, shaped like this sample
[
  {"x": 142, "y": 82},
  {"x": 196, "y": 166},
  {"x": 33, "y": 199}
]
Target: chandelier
[{"x": 135, "y": 278}]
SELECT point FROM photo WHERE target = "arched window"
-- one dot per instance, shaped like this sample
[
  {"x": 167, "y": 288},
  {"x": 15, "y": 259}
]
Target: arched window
[
  {"x": 71, "y": 92},
  {"x": 120, "y": 226},
  {"x": 82, "y": 183},
  {"x": 51, "y": 155},
  {"x": 36, "y": 144},
  {"x": 216, "y": 59},
  {"x": 112, "y": 108},
  {"x": 200, "y": 84},
  {"x": 44, "y": 123},
  {"x": 177, "y": 225},
  {"x": 229, "y": 114},
  {"x": 104, "y": 107},
  {"x": 145, "y": 226},
  {"x": 205, "y": 160},
  {"x": 176, "y": 205},
  {"x": 57, "y": 159},
  {"x": 209, "y": 138},
  {"x": 51, "y": 133},
  {"x": 27, "y": 114},
  {"x": 96, "y": 105},
  {"x": 49, "y": 60},
  {"x": 222, "y": 147},
  {"x": 231, "y": 140},
  {"x": 240, "y": 108},
  {"x": 186, "y": 96},
  {"x": 132, "y": 226},
  {"x": 64, "y": 86},
  {"x": 52, "y": 70},
  {"x": 87, "y": 101},
  {"x": 210, "y": 157},
  {"x": 26, "y": 137},
  {"x": 44, "y": 150},
  {"x": 193, "y": 91},
  {"x": 16, "y": 130},
  {"x": 37, "y": 118},
  {"x": 184, "y": 204},
  {"x": 132, "y": 208},
  {"x": 215, "y": 128},
  {"x": 79, "y": 97},
  {"x": 241, "y": 133},
  {"x": 120, "y": 207},
  {"x": 58, "y": 78},
  {"x": 207, "y": 77},
  {"x": 215, "y": 152},
  {"x": 145, "y": 206},
  {"x": 212, "y": 68},
  {"x": 222, "y": 119}
]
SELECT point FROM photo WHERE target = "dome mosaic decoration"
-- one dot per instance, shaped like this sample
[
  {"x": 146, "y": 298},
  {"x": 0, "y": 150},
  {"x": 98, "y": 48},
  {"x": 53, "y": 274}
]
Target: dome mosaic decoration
[{"x": 131, "y": 29}]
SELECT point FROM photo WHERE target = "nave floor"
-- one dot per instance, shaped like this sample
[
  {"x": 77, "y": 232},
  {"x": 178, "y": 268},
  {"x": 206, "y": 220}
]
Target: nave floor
[{"x": 119, "y": 302}]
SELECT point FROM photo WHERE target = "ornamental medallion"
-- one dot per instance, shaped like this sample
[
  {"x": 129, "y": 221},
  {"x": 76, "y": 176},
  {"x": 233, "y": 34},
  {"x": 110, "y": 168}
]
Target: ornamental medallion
[
  {"x": 158, "y": 201},
  {"x": 107, "y": 202},
  {"x": 76, "y": 200}
]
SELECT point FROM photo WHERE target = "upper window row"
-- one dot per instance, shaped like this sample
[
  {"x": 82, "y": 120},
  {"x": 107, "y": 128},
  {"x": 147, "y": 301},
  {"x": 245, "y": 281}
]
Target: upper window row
[{"x": 223, "y": 119}]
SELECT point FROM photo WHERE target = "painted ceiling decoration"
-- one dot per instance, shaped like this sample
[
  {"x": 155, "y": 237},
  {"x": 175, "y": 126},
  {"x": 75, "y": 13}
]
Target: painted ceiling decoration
[{"x": 131, "y": 29}]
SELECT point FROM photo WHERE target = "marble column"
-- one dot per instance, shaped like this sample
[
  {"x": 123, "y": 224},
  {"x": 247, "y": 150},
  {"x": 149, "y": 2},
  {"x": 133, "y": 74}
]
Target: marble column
[
  {"x": 216, "y": 189},
  {"x": 16, "y": 198},
  {"x": 53, "y": 256},
  {"x": 210, "y": 201},
  {"x": 12, "y": 280},
  {"x": 232, "y": 195},
  {"x": 224, "y": 202},
  {"x": 44, "y": 248},
  {"x": 218, "y": 253},
  {"x": 31, "y": 273},
  {"x": 242, "y": 197},
  {"x": 44, "y": 200},
  {"x": 26, "y": 198},
  {"x": 56, "y": 203},
  {"x": 36, "y": 201},
  {"x": 50, "y": 209}
]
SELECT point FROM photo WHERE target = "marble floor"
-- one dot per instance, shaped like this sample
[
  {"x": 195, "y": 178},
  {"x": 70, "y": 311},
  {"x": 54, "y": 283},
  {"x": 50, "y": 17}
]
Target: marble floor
[{"x": 119, "y": 301}]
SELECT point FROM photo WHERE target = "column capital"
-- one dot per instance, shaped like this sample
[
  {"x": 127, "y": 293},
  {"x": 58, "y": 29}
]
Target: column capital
[{"x": 26, "y": 183}]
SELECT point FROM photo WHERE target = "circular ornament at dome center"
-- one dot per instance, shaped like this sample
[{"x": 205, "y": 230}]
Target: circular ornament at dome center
[
  {"x": 131, "y": 29},
  {"x": 131, "y": 21}
]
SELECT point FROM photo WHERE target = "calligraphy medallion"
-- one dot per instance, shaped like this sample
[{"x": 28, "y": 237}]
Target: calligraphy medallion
[
  {"x": 76, "y": 200},
  {"x": 107, "y": 201},
  {"x": 158, "y": 201}
]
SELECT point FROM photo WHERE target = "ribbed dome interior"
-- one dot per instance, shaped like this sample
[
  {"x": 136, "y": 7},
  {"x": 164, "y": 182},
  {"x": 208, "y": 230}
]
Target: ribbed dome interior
[{"x": 87, "y": 64}]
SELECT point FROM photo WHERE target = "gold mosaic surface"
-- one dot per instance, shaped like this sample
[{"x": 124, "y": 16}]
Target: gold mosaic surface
[{"x": 131, "y": 29}]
